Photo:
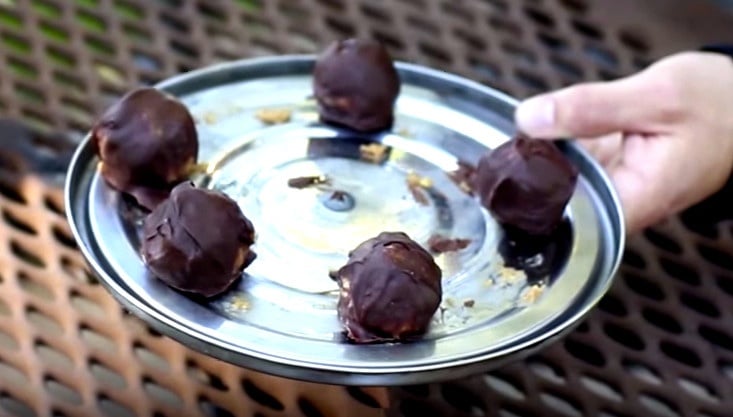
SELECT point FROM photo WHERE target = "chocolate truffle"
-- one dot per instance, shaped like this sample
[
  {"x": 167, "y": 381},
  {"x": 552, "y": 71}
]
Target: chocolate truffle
[
  {"x": 390, "y": 289},
  {"x": 197, "y": 241},
  {"x": 526, "y": 184},
  {"x": 147, "y": 143},
  {"x": 356, "y": 85}
]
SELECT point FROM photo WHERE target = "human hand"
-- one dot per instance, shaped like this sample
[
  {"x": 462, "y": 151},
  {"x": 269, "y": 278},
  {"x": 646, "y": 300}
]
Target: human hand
[{"x": 664, "y": 135}]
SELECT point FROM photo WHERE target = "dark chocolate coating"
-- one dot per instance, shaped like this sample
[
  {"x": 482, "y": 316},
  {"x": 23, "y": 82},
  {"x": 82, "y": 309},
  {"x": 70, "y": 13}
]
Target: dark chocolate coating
[
  {"x": 147, "y": 142},
  {"x": 540, "y": 257},
  {"x": 526, "y": 184},
  {"x": 197, "y": 241},
  {"x": 356, "y": 85},
  {"x": 441, "y": 244},
  {"x": 390, "y": 289}
]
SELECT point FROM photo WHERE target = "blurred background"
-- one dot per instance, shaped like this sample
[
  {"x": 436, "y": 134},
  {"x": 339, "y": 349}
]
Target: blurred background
[{"x": 660, "y": 344}]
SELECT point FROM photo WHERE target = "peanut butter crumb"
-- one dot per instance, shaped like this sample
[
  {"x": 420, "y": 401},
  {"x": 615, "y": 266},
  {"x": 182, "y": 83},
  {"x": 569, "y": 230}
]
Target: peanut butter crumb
[
  {"x": 239, "y": 303},
  {"x": 415, "y": 180},
  {"x": 417, "y": 184},
  {"x": 274, "y": 116},
  {"x": 510, "y": 275},
  {"x": 533, "y": 293}
]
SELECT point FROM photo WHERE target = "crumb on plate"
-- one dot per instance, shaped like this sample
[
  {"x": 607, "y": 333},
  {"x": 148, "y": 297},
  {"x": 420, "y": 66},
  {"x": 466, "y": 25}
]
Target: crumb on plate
[
  {"x": 415, "y": 180},
  {"x": 441, "y": 244},
  {"x": 210, "y": 118},
  {"x": 511, "y": 275},
  {"x": 463, "y": 177},
  {"x": 239, "y": 303},
  {"x": 274, "y": 115},
  {"x": 307, "y": 181},
  {"x": 533, "y": 293},
  {"x": 375, "y": 153}
]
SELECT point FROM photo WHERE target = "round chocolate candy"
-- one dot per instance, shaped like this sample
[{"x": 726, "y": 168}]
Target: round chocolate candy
[
  {"x": 389, "y": 289},
  {"x": 197, "y": 241},
  {"x": 526, "y": 184},
  {"x": 356, "y": 85},
  {"x": 147, "y": 143}
]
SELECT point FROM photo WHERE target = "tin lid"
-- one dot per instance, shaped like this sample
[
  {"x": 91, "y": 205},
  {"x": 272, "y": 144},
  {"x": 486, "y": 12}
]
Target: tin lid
[{"x": 258, "y": 129}]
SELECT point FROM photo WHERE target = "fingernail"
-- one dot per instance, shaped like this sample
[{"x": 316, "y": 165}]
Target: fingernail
[{"x": 536, "y": 116}]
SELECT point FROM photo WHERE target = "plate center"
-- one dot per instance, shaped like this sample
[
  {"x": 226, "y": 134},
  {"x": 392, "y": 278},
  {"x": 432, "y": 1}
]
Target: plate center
[
  {"x": 358, "y": 200},
  {"x": 314, "y": 198}
]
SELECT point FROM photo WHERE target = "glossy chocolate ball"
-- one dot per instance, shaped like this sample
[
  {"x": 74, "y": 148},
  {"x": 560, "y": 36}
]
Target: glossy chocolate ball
[
  {"x": 390, "y": 289},
  {"x": 526, "y": 184},
  {"x": 356, "y": 85},
  {"x": 147, "y": 143},
  {"x": 197, "y": 241}
]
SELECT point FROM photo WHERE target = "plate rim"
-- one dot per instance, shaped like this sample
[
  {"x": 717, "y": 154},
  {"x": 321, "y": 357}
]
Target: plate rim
[{"x": 203, "y": 342}]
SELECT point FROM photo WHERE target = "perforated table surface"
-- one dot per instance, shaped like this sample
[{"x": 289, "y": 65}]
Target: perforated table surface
[{"x": 660, "y": 343}]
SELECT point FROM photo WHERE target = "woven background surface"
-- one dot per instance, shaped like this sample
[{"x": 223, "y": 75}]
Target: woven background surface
[{"x": 660, "y": 344}]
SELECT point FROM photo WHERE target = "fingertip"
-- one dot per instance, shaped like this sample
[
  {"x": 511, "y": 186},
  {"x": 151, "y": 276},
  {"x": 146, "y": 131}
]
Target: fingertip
[{"x": 536, "y": 117}]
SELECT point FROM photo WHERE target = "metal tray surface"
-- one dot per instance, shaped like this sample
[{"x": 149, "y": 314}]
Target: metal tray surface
[{"x": 281, "y": 317}]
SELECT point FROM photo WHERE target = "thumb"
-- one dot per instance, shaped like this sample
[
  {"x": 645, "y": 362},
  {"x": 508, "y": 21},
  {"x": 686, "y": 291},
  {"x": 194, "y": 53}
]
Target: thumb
[{"x": 590, "y": 109}]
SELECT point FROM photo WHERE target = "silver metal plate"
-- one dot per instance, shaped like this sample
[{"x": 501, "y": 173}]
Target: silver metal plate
[{"x": 281, "y": 317}]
